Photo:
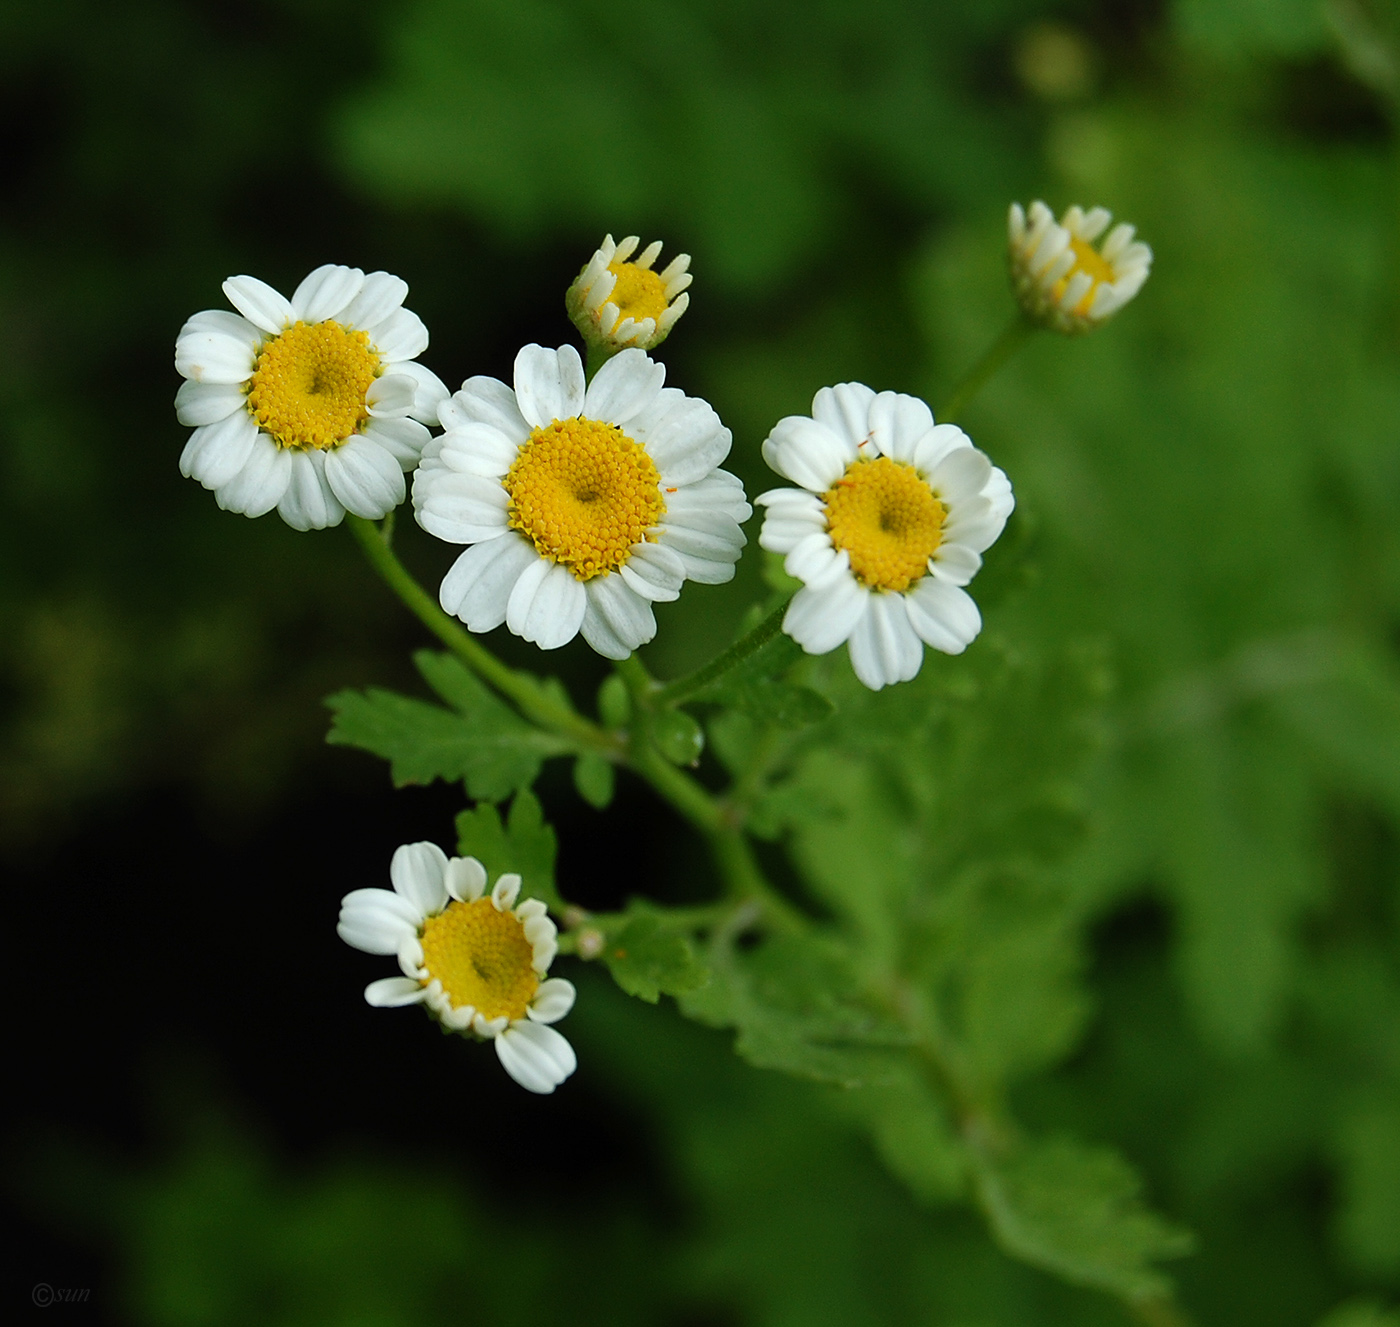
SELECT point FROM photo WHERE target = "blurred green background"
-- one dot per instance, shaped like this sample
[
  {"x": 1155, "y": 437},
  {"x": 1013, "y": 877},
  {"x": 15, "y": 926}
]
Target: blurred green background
[{"x": 209, "y": 1127}]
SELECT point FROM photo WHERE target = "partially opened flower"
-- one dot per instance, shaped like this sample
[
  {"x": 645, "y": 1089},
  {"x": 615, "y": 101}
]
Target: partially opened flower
[
  {"x": 582, "y": 506},
  {"x": 890, "y": 522},
  {"x": 1061, "y": 280},
  {"x": 313, "y": 405},
  {"x": 474, "y": 961},
  {"x": 619, "y": 301}
]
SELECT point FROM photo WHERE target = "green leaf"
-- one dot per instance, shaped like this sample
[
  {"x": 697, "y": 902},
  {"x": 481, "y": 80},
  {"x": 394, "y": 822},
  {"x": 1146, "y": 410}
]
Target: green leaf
[
  {"x": 796, "y": 1007},
  {"x": 649, "y": 958},
  {"x": 911, "y": 1129},
  {"x": 594, "y": 779},
  {"x": 479, "y": 740},
  {"x": 523, "y": 843},
  {"x": 1074, "y": 1211}
]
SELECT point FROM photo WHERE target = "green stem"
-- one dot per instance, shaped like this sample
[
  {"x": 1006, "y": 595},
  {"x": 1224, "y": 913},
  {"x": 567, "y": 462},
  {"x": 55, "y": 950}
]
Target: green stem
[
  {"x": 674, "y": 693},
  {"x": 743, "y": 879},
  {"x": 532, "y": 699},
  {"x": 1015, "y": 334},
  {"x": 595, "y": 357}
]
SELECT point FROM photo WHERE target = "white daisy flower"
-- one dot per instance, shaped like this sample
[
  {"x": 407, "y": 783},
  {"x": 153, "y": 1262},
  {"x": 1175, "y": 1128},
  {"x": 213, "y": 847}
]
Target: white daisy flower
[
  {"x": 619, "y": 301},
  {"x": 312, "y": 405},
  {"x": 476, "y": 962},
  {"x": 1061, "y": 280},
  {"x": 890, "y": 522},
  {"x": 583, "y": 506}
]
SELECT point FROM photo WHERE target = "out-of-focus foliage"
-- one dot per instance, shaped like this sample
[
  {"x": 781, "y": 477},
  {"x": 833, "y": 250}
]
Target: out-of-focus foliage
[{"x": 1132, "y": 862}]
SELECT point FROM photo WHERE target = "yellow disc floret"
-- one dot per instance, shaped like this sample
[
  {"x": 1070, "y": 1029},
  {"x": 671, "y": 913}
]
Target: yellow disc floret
[
  {"x": 639, "y": 293},
  {"x": 308, "y": 388},
  {"x": 887, "y": 519},
  {"x": 583, "y": 493},
  {"x": 482, "y": 958},
  {"x": 1086, "y": 259}
]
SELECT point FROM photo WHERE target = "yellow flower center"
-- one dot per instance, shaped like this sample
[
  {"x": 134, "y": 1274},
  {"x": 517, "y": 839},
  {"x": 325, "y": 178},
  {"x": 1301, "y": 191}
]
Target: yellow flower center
[
  {"x": 308, "y": 389},
  {"x": 887, "y": 519},
  {"x": 482, "y": 958},
  {"x": 1086, "y": 259},
  {"x": 583, "y": 493},
  {"x": 639, "y": 293}
]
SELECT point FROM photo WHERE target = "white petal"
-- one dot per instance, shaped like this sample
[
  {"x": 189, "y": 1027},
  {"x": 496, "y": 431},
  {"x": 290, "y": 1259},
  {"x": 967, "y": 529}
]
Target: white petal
[
  {"x": 418, "y": 871},
  {"x": 618, "y": 619},
  {"x": 465, "y": 878},
  {"x": 536, "y": 1056},
  {"x": 683, "y": 436},
  {"x": 808, "y": 452},
  {"x": 961, "y": 475},
  {"x": 898, "y": 423},
  {"x": 549, "y": 384},
  {"x": 936, "y": 444},
  {"x": 459, "y": 1018},
  {"x": 400, "y": 336},
  {"x": 708, "y": 546},
  {"x": 216, "y": 357},
  {"x": 974, "y": 524},
  {"x": 429, "y": 390},
  {"x": 654, "y": 572},
  {"x": 326, "y": 292},
  {"x": 547, "y": 608},
  {"x": 224, "y": 322},
  {"x": 884, "y": 648},
  {"x": 365, "y": 477},
  {"x": 392, "y": 992},
  {"x": 258, "y": 487},
  {"x": 217, "y": 452},
  {"x": 719, "y": 491},
  {"x": 943, "y": 615},
  {"x": 553, "y": 1000},
  {"x": 411, "y": 958},
  {"x": 198, "y": 403},
  {"x": 403, "y": 439},
  {"x": 259, "y": 303},
  {"x": 460, "y": 508},
  {"x": 845, "y": 410},
  {"x": 478, "y": 449},
  {"x": 811, "y": 559},
  {"x": 997, "y": 491},
  {"x": 957, "y": 563},
  {"x": 391, "y": 395},
  {"x": 485, "y": 401},
  {"x": 377, "y": 920},
  {"x": 792, "y": 515},
  {"x": 477, "y": 588},
  {"x": 308, "y": 503},
  {"x": 506, "y": 891},
  {"x": 625, "y": 386},
  {"x": 380, "y": 297},
  {"x": 820, "y": 620}
]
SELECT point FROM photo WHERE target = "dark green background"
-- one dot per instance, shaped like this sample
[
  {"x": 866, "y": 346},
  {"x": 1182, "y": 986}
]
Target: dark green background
[{"x": 208, "y": 1125}]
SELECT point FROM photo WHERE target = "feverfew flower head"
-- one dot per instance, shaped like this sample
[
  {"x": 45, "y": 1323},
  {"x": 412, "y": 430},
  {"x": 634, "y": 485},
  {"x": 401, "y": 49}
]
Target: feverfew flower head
[
  {"x": 1061, "y": 280},
  {"x": 890, "y": 522},
  {"x": 619, "y": 301},
  {"x": 312, "y": 405},
  {"x": 475, "y": 961},
  {"x": 583, "y": 505}
]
